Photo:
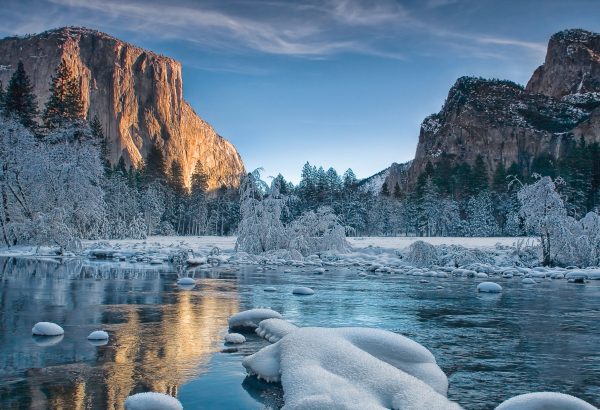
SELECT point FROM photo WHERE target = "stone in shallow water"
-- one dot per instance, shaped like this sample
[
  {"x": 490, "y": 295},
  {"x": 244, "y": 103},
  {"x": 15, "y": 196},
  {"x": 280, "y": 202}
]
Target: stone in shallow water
[
  {"x": 302, "y": 290},
  {"x": 47, "y": 329},
  {"x": 152, "y": 401}
]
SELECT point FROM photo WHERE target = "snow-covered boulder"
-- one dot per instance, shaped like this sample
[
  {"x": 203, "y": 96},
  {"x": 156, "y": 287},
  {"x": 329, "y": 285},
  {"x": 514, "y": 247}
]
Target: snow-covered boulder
[
  {"x": 274, "y": 329},
  {"x": 545, "y": 401},
  {"x": 152, "y": 401},
  {"x": 235, "y": 338},
  {"x": 489, "y": 287},
  {"x": 528, "y": 281},
  {"x": 321, "y": 368},
  {"x": 47, "y": 329},
  {"x": 270, "y": 289},
  {"x": 98, "y": 335},
  {"x": 303, "y": 290},
  {"x": 251, "y": 318},
  {"x": 186, "y": 281}
]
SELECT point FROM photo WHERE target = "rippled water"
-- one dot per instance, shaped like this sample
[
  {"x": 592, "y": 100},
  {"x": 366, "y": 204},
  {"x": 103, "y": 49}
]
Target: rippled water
[{"x": 163, "y": 338}]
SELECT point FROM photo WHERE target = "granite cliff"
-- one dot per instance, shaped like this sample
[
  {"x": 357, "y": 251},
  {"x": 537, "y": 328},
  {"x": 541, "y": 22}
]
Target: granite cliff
[
  {"x": 509, "y": 124},
  {"x": 136, "y": 94}
]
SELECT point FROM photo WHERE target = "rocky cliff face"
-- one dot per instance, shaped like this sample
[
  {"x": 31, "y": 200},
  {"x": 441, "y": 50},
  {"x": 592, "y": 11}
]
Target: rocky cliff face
[
  {"x": 572, "y": 65},
  {"x": 136, "y": 94},
  {"x": 506, "y": 123}
]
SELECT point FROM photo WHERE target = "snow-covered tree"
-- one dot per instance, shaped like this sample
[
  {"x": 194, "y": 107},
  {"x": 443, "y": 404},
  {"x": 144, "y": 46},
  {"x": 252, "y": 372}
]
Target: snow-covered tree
[{"x": 544, "y": 214}]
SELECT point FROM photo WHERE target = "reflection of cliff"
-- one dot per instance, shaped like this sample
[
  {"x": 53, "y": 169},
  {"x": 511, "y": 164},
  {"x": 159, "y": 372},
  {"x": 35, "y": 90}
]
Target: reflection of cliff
[{"x": 160, "y": 338}]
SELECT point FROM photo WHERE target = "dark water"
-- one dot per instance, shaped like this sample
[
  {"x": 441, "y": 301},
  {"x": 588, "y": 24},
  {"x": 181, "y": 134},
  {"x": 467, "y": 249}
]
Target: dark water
[{"x": 163, "y": 338}]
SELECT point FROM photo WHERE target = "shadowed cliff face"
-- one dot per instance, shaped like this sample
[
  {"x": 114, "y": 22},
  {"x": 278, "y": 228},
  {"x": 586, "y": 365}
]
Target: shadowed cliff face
[
  {"x": 572, "y": 65},
  {"x": 136, "y": 94},
  {"x": 506, "y": 123}
]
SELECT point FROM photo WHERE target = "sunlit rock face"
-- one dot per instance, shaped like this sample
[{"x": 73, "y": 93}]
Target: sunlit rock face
[
  {"x": 509, "y": 124},
  {"x": 136, "y": 94}
]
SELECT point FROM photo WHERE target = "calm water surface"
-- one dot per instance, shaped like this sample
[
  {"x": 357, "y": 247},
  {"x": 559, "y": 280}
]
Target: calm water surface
[{"x": 164, "y": 338}]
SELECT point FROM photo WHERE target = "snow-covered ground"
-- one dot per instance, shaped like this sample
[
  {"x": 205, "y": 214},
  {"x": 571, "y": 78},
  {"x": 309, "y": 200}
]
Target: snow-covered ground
[{"x": 402, "y": 242}]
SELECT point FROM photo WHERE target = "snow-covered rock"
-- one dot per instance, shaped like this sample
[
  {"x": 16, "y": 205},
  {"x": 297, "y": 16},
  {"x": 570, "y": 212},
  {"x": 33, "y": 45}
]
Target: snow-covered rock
[
  {"x": 270, "y": 289},
  {"x": 481, "y": 275},
  {"x": 489, "y": 287},
  {"x": 47, "y": 329},
  {"x": 528, "y": 281},
  {"x": 251, "y": 318},
  {"x": 152, "y": 401},
  {"x": 186, "y": 281},
  {"x": 545, "y": 401},
  {"x": 98, "y": 335},
  {"x": 274, "y": 329},
  {"x": 235, "y": 338},
  {"x": 321, "y": 368},
  {"x": 303, "y": 290}
]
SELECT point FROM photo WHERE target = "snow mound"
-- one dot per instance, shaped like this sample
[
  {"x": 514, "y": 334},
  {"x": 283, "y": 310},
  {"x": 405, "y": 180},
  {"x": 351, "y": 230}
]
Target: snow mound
[
  {"x": 47, "y": 329},
  {"x": 251, "y": 318},
  {"x": 302, "y": 290},
  {"x": 528, "y": 281},
  {"x": 274, "y": 329},
  {"x": 235, "y": 338},
  {"x": 152, "y": 401},
  {"x": 489, "y": 287},
  {"x": 98, "y": 335},
  {"x": 270, "y": 289},
  {"x": 352, "y": 368},
  {"x": 186, "y": 281},
  {"x": 545, "y": 401}
]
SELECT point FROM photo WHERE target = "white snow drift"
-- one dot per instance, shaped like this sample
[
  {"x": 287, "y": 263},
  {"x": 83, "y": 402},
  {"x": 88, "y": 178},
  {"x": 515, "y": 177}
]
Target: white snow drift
[
  {"x": 47, "y": 329},
  {"x": 152, "y": 401},
  {"x": 349, "y": 368},
  {"x": 251, "y": 318},
  {"x": 545, "y": 401}
]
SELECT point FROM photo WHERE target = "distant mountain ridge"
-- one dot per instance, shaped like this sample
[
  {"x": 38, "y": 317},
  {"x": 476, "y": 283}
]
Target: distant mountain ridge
[
  {"x": 136, "y": 94},
  {"x": 508, "y": 124}
]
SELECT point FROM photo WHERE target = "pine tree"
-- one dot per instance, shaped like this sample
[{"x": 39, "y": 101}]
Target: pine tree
[
  {"x": 384, "y": 190},
  {"x": 154, "y": 169},
  {"x": 499, "y": 182},
  {"x": 1, "y": 94},
  {"x": 397, "y": 191},
  {"x": 19, "y": 98},
  {"x": 65, "y": 103},
  {"x": 479, "y": 179},
  {"x": 100, "y": 138}
]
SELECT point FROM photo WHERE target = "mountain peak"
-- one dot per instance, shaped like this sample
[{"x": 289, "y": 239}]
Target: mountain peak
[{"x": 572, "y": 65}]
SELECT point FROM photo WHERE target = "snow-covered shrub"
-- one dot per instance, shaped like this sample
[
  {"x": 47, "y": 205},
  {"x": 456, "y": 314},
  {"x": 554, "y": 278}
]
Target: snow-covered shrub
[
  {"x": 457, "y": 255},
  {"x": 262, "y": 228},
  {"x": 315, "y": 232},
  {"x": 422, "y": 254}
]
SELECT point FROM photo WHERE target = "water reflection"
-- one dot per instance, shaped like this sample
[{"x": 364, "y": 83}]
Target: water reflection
[{"x": 161, "y": 336}]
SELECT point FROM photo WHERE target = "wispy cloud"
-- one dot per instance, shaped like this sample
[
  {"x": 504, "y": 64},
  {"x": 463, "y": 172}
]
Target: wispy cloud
[{"x": 312, "y": 29}]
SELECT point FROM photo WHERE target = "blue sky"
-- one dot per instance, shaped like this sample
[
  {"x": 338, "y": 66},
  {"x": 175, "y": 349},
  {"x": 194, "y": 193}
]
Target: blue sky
[{"x": 342, "y": 83}]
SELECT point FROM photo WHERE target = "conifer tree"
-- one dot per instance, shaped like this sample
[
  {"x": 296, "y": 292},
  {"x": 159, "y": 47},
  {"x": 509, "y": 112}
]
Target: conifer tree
[
  {"x": 499, "y": 182},
  {"x": 65, "y": 103},
  {"x": 385, "y": 190},
  {"x": 19, "y": 98},
  {"x": 155, "y": 169},
  {"x": 479, "y": 180},
  {"x": 99, "y": 138},
  {"x": 397, "y": 191}
]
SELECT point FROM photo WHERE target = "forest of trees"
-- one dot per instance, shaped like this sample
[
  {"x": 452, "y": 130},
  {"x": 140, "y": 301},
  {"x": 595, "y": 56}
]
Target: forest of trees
[{"x": 57, "y": 185}]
